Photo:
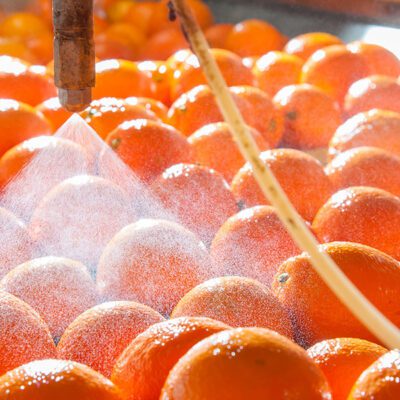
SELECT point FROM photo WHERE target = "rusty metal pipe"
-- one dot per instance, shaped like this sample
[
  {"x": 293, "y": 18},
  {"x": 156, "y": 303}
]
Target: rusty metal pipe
[{"x": 74, "y": 56}]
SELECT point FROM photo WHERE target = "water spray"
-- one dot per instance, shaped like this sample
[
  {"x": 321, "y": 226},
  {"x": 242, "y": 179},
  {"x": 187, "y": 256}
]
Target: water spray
[
  {"x": 331, "y": 274},
  {"x": 74, "y": 56}
]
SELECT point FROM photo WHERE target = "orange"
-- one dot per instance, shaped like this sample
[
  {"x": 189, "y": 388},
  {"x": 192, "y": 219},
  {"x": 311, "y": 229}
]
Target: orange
[
  {"x": 148, "y": 147},
  {"x": 29, "y": 84},
  {"x": 301, "y": 176},
  {"x": 55, "y": 113},
  {"x": 376, "y": 91},
  {"x": 333, "y": 69},
  {"x": 217, "y": 35},
  {"x": 190, "y": 73},
  {"x": 317, "y": 312},
  {"x": 110, "y": 46},
  {"x": 15, "y": 47},
  {"x": 377, "y": 128},
  {"x": 311, "y": 116},
  {"x": 252, "y": 243},
  {"x": 343, "y": 360},
  {"x": 361, "y": 214},
  {"x": 79, "y": 216},
  {"x": 41, "y": 46},
  {"x": 156, "y": 106},
  {"x": 24, "y": 336},
  {"x": 154, "y": 262},
  {"x": 56, "y": 379},
  {"x": 197, "y": 196},
  {"x": 306, "y": 44},
  {"x": 23, "y": 25},
  {"x": 380, "y": 381},
  {"x": 19, "y": 122},
  {"x": 236, "y": 301},
  {"x": 365, "y": 166},
  {"x": 59, "y": 289},
  {"x": 99, "y": 335},
  {"x": 275, "y": 70},
  {"x": 143, "y": 367},
  {"x": 379, "y": 60},
  {"x": 112, "y": 77},
  {"x": 16, "y": 244},
  {"x": 215, "y": 147},
  {"x": 106, "y": 114},
  {"x": 254, "y": 37},
  {"x": 245, "y": 363},
  {"x": 176, "y": 60}
]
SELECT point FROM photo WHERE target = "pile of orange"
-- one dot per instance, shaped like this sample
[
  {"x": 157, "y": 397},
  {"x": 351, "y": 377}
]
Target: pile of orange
[{"x": 139, "y": 259}]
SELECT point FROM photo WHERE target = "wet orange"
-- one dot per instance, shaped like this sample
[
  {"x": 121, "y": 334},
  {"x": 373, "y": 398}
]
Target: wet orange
[
  {"x": 236, "y": 301},
  {"x": 343, "y": 360},
  {"x": 377, "y": 91},
  {"x": 156, "y": 106},
  {"x": 311, "y": 116},
  {"x": 154, "y": 262},
  {"x": 217, "y": 35},
  {"x": 361, "y": 214},
  {"x": 54, "y": 112},
  {"x": 318, "y": 314},
  {"x": 215, "y": 147},
  {"x": 99, "y": 335},
  {"x": 252, "y": 243},
  {"x": 199, "y": 197},
  {"x": 333, "y": 69},
  {"x": 149, "y": 147},
  {"x": 252, "y": 363},
  {"x": 56, "y": 379},
  {"x": 301, "y": 176},
  {"x": 254, "y": 37},
  {"x": 380, "y": 381},
  {"x": 141, "y": 370},
  {"x": 275, "y": 70},
  {"x": 24, "y": 336},
  {"x": 306, "y": 44},
  {"x": 365, "y": 166}
]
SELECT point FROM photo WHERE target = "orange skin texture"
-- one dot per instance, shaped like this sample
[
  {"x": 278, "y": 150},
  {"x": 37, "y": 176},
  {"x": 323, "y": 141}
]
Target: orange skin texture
[
  {"x": 334, "y": 69},
  {"x": 379, "y": 60},
  {"x": 54, "y": 112},
  {"x": 275, "y": 70},
  {"x": 365, "y": 166},
  {"x": 311, "y": 116},
  {"x": 16, "y": 244},
  {"x": 254, "y": 38},
  {"x": 377, "y": 91},
  {"x": 346, "y": 216},
  {"x": 154, "y": 262},
  {"x": 191, "y": 75},
  {"x": 156, "y": 106},
  {"x": 16, "y": 76},
  {"x": 109, "y": 46},
  {"x": 99, "y": 335},
  {"x": 149, "y": 147},
  {"x": 56, "y": 379},
  {"x": 19, "y": 122},
  {"x": 59, "y": 289},
  {"x": 24, "y": 336},
  {"x": 214, "y": 147},
  {"x": 143, "y": 367},
  {"x": 377, "y": 128},
  {"x": 305, "y": 45},
  {"x": 316, "y": 311},
  {"x": 236, "y": 301},
  {"x": 217, "y": 35},
  {"x": 380, "y": 381},
  {"x": 198, "y": 196},
  {"x": 108, "y": 113},
  {"x": 343, "y": 360},
  {"x": 252, "y": 363},
  {"x": 111, "y": 78},
  {"x": 293, "y": 169},
  {"x": 252, "y": 243}
]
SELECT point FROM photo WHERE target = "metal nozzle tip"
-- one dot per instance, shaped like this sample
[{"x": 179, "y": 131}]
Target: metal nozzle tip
[{"x": 75, "y": 100}]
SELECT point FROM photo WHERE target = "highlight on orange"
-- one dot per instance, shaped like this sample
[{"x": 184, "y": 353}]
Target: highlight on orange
[
  {"x": 99, "y": 335},
  {"x": 156, "y": 106},
  {"x": 253, "y": 363},
  {"x": 236, "y": 301},
  {"x": 143, "y": 367},
  {"x": 317, "y": 312},
  {"x": 54, "y": 112}
]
